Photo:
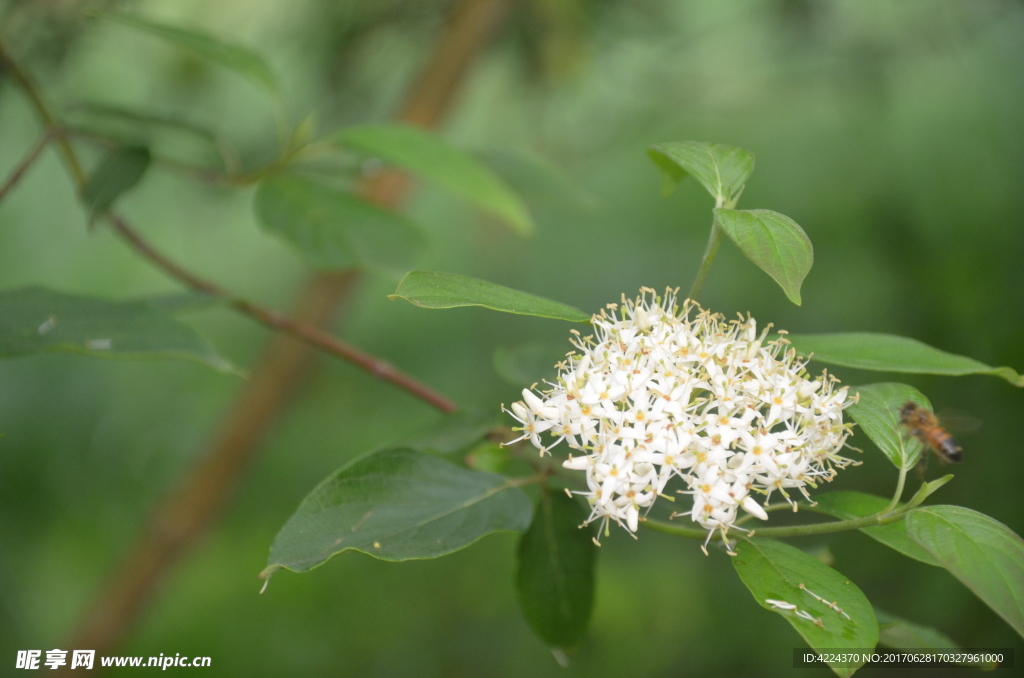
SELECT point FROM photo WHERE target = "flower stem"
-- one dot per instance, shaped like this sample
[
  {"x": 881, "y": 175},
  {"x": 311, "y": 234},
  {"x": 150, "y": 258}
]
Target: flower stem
[
  {"x": 899, "y": 491},
  {"x": 882, "y": 518},
  {"x": 710, "y": 252}
]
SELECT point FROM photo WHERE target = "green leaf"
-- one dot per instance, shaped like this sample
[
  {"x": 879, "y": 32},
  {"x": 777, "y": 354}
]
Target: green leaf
[
  {"x": 527, "y": 364},
  {"x": 489, "y": 457},
  {"x": 891, "y": 353},
  {"x": 851, "y": 505},
  {"x": 450, "y": 290},
  {"x": 240, "y": 59},
  {"x": 877, "y": 413},
  {"x": 397, "y": 504},
  {"x": 37, "y": 320},
  {"x": 985, "y": 555},
  {"x": 426, "y": 155},
  {"x": 555, "y": 580},
  {"x": 117, "y": 173},
  {"x": 452, "y": 432},
  {"x": 899, "y": 633},
  {"x": 334, "y": 229},
  {"x": 774, "y": 571},
  {"x": 928, "y": 489},
  {"x": 539, "y": 181},
  {"x": 774, "y": 242},
  {"x": 721, "y": 169}
]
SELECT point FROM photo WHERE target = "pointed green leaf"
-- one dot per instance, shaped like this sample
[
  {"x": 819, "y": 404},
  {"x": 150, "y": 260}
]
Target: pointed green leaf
[
  {"x": 452, "y": 432},
  {"x": 450, "y": 290},
  {"x": 891, "y": 353},
  {"x": 796, "y": 585},
  {"x": 851, "y": 505},
  {"x": 721, "y": 169},
  {"x": 528, "y": 364},
  {"x": 397, "y": 504},
  {"x": 774, "y": 242},
  {"x": 240, "y": 59},
  {"x": 117, "y": 173},
  {"x": 928, "y": 489},
  {"x": 555, "y": 580},
  {"x": 37, "y": 320},
  {"x": 985, "y": 555},
  {"x": 426, "y": 155},
  {"x": 791, "y": 583},
  {"x": 877, "y": 413},
  {"x": 334, "y": 229}
]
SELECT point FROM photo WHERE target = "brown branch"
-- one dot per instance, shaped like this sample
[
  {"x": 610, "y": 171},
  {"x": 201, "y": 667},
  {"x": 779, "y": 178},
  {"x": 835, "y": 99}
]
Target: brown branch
[
  {"x": 181, "y": 518},
  {"x": 19, "y": 171},
  {"x": 274, "y": 320}
]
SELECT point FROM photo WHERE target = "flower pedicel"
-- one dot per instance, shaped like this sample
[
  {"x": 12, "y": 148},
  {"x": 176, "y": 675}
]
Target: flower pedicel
[{"x": 655, "y": 393}]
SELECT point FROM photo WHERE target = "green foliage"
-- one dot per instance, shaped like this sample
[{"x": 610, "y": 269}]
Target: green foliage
[
  {"x": 397, "y": 504},
  {"x": 985, "y": 555},
  {"x": 774, "y": 571},
  {"x": 450, "y": 290},
  {"x": 333, "y": 229},
  {"x": 116, "y": 174},
  {"x": 37, "y": 320},
  {"x": 849, "y": 505},
  {"x": 528, "y": 363},
  {"x": 890, "y": 353},
  {"x": 898, "y": 633},
  {"x": 877, "y": 413},
  {"x": 774, "y": 242},
  {"x": 428, "y": 156},
  {"x": 452, "y": 432},
  {"x": 555, "y": 580},
  {"x": 721, "y": 169},
  {"x": 240, "y": 59}
]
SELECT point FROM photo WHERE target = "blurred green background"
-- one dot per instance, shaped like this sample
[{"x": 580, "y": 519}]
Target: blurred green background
[{"x": 891, "y": 131}]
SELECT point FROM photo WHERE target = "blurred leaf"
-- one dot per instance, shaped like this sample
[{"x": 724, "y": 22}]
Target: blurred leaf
[
  {"x": 488, "y": 457},
  {"x": 334, "y": 229},
  {"x": 452, "y": 432},
  {"x": 788, "y": 581},
  {"x": 891, "y": 353},
  {"x": 556, "y": 571},
  {"x": 117, "y": 173},
  {"x": 227, "y": 155},
  {"x": 184, "y": 302},
  {"x": 426, "y": 155},
  {"x": 397, "y": 504},
  {"x": 721, "y": 169},
  {"x": 877, "y": 413},
  {"x": 450, "y": 290},
  {"x": 899, "y": 633},
  {"x": 240, "y": 59},
  {"x": 850, "y": 505},
  {"x": 774, "y": 242},
  {"x": 538, "y": 180},
  {"x": 36, "y": 320},
  {"x": 985, "y": 555},
  {"x": 527, "y": 364}
]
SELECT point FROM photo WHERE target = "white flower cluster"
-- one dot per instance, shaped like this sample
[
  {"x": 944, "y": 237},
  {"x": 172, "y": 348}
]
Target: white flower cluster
[{"x": 655, "y": 393}]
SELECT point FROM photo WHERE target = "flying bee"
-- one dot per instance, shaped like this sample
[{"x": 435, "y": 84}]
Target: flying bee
[{"x": 924, "y": 426}]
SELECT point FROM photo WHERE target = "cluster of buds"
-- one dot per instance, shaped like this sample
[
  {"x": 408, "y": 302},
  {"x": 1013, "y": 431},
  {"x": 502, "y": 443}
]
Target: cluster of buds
[{"x": 655, "y": 393}]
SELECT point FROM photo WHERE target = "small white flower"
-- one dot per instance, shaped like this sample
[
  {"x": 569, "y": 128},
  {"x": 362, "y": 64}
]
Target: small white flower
[{"x": 655, "y": 393}]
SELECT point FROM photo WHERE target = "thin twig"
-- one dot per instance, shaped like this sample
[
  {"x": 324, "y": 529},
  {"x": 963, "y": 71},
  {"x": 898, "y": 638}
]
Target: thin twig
[
  {"x": 26, "y": 162},
  {"x": 309, "y": 333}
]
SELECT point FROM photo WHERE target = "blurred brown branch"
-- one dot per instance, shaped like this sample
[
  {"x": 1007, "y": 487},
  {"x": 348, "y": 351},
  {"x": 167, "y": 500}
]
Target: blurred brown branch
[
  {"x": 181, "y": 518},
  {"x": 19, "y": 171}
]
